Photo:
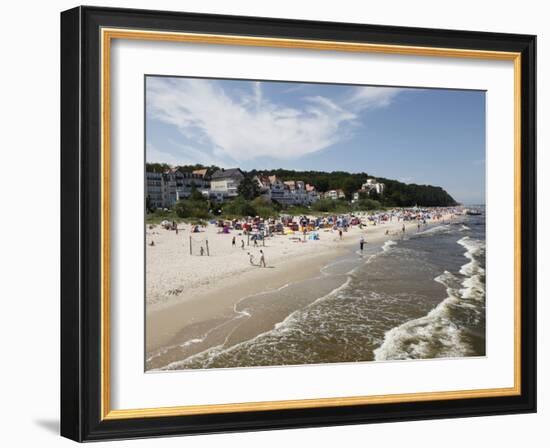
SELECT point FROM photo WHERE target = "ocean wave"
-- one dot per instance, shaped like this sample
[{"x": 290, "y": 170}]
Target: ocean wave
[
  {"x": 439, "y": 334},
  {"x": 436, "y": 229},
  {"x": 474, "y": 248},
  {"x": 434, "y": 335},
  {"x": 191, "y": 342},
  {"x": 430, "y": 336},
  {"x": 325, "y": 270},
  {"x": 474, "y": 288},
  {"x": 386, "y": 247},
  {"x": 205, "y": 358}
]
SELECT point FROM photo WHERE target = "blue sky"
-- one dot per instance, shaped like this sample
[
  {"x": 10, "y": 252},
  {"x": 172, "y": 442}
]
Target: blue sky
[{"x": 425, "y": 136}]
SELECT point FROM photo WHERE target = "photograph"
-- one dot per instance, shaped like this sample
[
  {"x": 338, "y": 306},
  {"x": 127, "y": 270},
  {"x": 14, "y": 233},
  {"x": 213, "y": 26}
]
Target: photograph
[
  {"x": 294, "y": 223},
  {"x": 288, "y": 221}
]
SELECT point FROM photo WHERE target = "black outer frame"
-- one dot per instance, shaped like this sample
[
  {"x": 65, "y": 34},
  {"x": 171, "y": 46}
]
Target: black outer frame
[{"x": 81, "y": 207}]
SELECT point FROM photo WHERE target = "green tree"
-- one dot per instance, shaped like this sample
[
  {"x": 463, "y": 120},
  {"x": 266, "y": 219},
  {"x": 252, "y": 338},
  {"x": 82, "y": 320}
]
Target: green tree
[
  {"x": 215, "y": 207},
  {"x": 248, "y": 188},
  {"x": 157, "y": 167},
  {"x": 183, "y": 209},
  {"x": 329, "y": 205},
  {"x": 368, "y": 204},
  {"x": 148, "y": 205},
  {"x": 265, "y": 208},
  {"x": 350, "y": 185},
  {"x": 196, "y": 195},
  {"x": 194, "y": 207},
  {"x": 373, "y": 194},
  {"x": 239, "y": 207}
]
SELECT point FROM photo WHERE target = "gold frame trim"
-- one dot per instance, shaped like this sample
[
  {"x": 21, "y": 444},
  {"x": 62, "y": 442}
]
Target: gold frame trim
[{"x": 107, "y": 35}]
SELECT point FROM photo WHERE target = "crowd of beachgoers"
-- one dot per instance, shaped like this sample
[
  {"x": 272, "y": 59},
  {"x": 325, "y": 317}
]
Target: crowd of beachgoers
[
  {"x": 257, "y": 228},
  {"x": 187, "y": 259}
]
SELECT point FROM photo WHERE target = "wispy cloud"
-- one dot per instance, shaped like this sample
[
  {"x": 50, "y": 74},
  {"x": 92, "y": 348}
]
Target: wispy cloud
[
  {"x": 199, "y": 155},
  {"x": 175, "y": 153},
  {"x": 249, "y": 124},
  {"x": 368, "y": 97},
  {"x": 158, "y": 156},
  {"x": 405, "y": 179}
]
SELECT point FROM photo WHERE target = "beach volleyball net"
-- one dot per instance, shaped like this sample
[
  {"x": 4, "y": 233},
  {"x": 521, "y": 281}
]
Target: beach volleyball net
[{"x": 199, "y": 246}]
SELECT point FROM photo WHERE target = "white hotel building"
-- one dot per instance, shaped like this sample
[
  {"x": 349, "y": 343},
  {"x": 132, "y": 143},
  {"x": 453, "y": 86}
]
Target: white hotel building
[
  {"x": 369, "y": 187},
  {"x": 164, "y": 189}
]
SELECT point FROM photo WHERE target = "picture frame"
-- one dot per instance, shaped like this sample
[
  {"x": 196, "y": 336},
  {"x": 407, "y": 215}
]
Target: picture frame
[{"x": 86, "y": 210}]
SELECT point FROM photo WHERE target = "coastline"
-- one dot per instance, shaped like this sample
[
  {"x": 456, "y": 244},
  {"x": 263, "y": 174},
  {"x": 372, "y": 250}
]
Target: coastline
[
  {"x": 178, "y": 327},
  {"x": 218, "y": 302}
]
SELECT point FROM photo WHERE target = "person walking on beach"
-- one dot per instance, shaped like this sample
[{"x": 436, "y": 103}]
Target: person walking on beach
[
  {"x": 242, "y": 244},
  {"x": 403, "y": 228},
  {"x": 233, "y": 242},
  {"x": 262, "y": 259},
  {"x": 361, "y": 243},
  {"x": 340, "y": 233},
  {"x": 251, "y": 258}
]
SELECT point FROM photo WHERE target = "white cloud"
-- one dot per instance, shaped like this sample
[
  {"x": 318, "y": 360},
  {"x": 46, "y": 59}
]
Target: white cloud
[
  {"x": 250, "y": 125},
  {"x": 154, "y": 155},
  {"x": 405, "y": 180},
  {"x": 179, "y": 154},
  {"x": 369, "y": 97},
  {"x": 258, "y": 94}
]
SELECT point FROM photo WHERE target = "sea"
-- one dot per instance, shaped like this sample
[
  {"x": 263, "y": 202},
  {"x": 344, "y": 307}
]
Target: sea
[{"x": 419, "y": 296}]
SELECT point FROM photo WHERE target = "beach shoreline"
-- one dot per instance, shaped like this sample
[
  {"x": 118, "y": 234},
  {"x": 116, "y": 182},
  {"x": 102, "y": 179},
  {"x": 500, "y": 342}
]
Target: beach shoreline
[{"x": 181, "y": 323}]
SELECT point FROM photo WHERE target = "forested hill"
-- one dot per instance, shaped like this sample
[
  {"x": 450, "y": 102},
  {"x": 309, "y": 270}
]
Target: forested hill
[{"x": 396, "y": 193}]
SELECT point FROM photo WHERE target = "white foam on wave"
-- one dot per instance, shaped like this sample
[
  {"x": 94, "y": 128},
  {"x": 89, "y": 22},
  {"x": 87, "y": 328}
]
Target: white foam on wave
[
  {"x": 474, "y": 288},
  {"x": 384, "y": 249},
  {"x": 332, "y": 264},
  {"x": 436, "y": 229},
  {"x": 191, "y": 342},
  {"x": 165, "y": 350},
  {"x": 474, "y": 248},
  {"x": 414, "y": 339},
  {"x": 436, "y": 335}
]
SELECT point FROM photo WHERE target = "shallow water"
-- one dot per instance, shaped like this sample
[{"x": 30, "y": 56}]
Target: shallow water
[{"x": 420, "y": 296}]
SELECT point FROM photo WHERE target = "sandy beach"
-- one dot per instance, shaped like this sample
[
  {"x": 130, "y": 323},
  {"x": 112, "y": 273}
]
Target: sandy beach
[{"x": 189, "y": 295}]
